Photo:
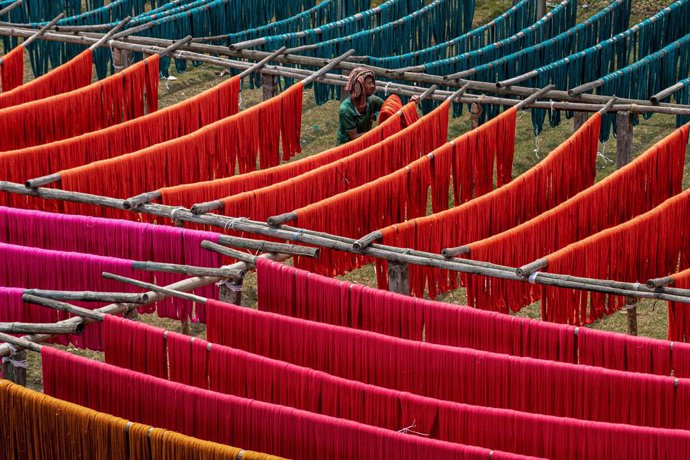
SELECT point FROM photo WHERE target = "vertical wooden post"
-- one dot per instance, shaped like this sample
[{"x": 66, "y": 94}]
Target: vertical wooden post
[
  {"x": 631, "y": 310},
  {"x": 398, "y": 278},
  {"x": 14, "y": 367},
  {"x": 624, "y": 137},
  {"x": 120, "y": 59},
  {"x": 269, "y": 85},
  {"x": 541, "y": 8},
  {"x": 231, "y": 291},
  {"x": 475, "y": 112},
  {"x": 579, "y": 119}
]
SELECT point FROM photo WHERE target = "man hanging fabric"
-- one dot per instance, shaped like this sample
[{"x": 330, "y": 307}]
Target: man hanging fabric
[{"x": 359, "y": 110}]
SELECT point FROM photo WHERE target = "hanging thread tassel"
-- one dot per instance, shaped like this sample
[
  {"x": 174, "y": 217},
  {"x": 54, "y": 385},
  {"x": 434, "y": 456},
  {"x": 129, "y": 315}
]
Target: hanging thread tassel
[{"x": 12, "y": 69}]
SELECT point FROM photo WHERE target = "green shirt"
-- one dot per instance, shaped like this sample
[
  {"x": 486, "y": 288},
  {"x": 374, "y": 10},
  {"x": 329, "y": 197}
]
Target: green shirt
[{"x": 350, "y": 118}]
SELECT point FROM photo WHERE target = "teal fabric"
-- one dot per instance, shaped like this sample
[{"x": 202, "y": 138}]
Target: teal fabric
[
  {"x": 509, "y": 23},
  {"x": 682, "y": 96},
  {"x": 350, "y": 118}
]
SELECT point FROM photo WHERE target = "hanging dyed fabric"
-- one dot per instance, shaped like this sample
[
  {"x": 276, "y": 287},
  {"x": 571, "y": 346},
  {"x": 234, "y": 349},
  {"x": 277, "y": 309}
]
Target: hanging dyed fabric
[
  {"x": 251, "y": 136},
  {"x": 632, "y": 190},
  {"x": 678, "y": 314},
  {"x": 118, "y": 98},
  {"x": 455, "y": 374},
  {"x": 177, "y": 120},
  {"x": 544, "y": 186},
  {"x": 190, "y": 194},
  {"x": 12, "y": 69},
  {"x": 76, "y": 73},
  {"x": 204, "y": 415},
  {"x": 633, "y": 251},
  {"x": 402, "y": 195}
]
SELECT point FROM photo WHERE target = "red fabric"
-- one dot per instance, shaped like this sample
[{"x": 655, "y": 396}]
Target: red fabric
[
  {"x": 212, "y": 151},
  {"x": 134, "y": 345},
  {"x": 403, "y": 194},
  {"x": 680, "y": 359},
  {"x": 454, "y": 374},
  {"x": 177, "y": 120},
  {"x": 278, "y": 382},
  {"x": 231, "y": 420},
  {"x": 609, "y": 255},
  {"x": 679, "y": 313},
  {"x": 12, "y": 69},
  {"x": 190, "y": 194},
  {"x": 375, "y": 161},
  {"x": 121, "y": 239},
  {"x": 118, "y": 98},
  {"x": 636, "y": 188},
  {"x": 542, "y": 187},
  {"x": 76, "y": 73}
]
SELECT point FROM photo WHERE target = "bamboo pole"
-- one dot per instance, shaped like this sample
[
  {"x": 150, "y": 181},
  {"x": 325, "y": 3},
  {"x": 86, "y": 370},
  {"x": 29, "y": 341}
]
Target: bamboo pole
[
  {"x": 187, "y": 269},
  {"x": 267, "y": 246},
  {"x": 62, "y": 306},
  {"x": 10, "y": 7},
  {"x": 111, "y": 33},
  {"x": 89, "y": 296},
  {"x": 39, "y": 328},
  {"x": 154, "y": 287}
]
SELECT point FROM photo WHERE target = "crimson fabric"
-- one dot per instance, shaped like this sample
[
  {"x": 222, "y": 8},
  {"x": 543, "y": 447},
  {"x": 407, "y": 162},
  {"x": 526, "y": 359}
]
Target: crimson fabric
[
  {"x": 403, "y": 194},
  {"x": 27, "y": 267},
  {"x": 544, "y": 186},
  {"x": 634, "y": 250},
  {"x": 636, "y": 188},
  {"x": 118, "y": 98},
  {"x": 121, "y": 239},
  {"x": 190, "y": 194},
  {"x": 177, "y": 120},
  {"x": 76, "y": 73},
  {"x": 227, "y": 419},
  {"x": 289, "y": 291},
  {"x": 278, "y": 382},
  {"x": 210, "y": 152},
  {"x": 392, "y": 153},
  {"x": 134, "y": 345},
  {"x": 678, "y": 313},
  {"x": 455, "y": 374},
  {"x": 12, "y": 69}
]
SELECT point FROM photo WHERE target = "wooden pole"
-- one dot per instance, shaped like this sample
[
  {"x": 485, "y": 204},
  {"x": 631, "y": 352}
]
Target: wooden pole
[
  {"x": 663, "y": 94},
  {"x": 624, "y": 137},
  {"x": 43, "y": 30},
  {"x": 62, "y": 306},
  {"x": 579, "y": 119},
  {"x": 14, "y": 366},
  {"x": 262, "y": 62},
  {"x": 111, "y": 33},
  {"x": 154, "y": 287},
  {"x": 10, "y": 7},
  {"x": 631, "y": 310},
  {"x": 268, "y": 246},
  {"x": 541, "y": 8},
  {"x": 239, "y": 255},
  {"x": 475, "y": 112},
  {"x": 89, "y": 296},
  {"x": 269, "y": 86},
  {"x": 186, "y": 269},
  {"x": 175, "y": 46},
  {"x": 398, "y": 278},
  {"x": 39, "y": 328}
]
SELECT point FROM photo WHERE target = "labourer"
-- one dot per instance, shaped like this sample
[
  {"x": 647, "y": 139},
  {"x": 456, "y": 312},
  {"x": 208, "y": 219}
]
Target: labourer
[{"x": 359, "y": 110}]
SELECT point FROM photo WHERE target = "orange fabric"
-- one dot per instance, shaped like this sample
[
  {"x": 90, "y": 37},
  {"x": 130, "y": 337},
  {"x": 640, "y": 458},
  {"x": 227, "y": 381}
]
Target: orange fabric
[
  {"x": 402, "y": 195},
  {"x": 641, "y": 185},
  {"x": 243, "y": 139},
  {"x": 172, "y": 122},
  {"x": 12, "y": 69},
  {"x": 542, "y": 187},
  {"x": 390, "y": 107},
  {"x": 118, "y": 98},
  {"x": 76, "y": 73},
  {"x": 190, "y": 194},
  {"x": 366, "y": 165},
  {"x": 648, "y": 246}
]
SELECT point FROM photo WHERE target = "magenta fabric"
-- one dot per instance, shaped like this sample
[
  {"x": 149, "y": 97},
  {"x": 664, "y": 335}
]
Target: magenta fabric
[
  {"x": 122, "y": 239},
  {"x": 452, "y": 373},
  {"x": 247, "y": 375},
  {"x": 231, "y": 420}
]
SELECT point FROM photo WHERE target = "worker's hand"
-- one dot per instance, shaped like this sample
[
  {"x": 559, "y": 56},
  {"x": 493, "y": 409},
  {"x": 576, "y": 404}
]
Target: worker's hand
[{"x": 415, "y": 99}]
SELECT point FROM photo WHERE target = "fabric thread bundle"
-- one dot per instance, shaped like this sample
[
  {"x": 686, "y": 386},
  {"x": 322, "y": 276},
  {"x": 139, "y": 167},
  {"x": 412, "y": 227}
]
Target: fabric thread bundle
[
  {"x": 118, "y": 98},
  {"x": 12, "y": 69},
  {"x": 678, "y": 314},
  {"x": 293, "y": 292},
  {"x": 211, "y": 366},
  {"x": 634, "y": 250},
  {"x": 544, "y": 186},
  {"x": 253, "y": 424},
  {"x": 172, "y": 122},
  {"x": 76, "y": 73},
  {"x": 208, "y": 153},
  {"x": 456, "y": 374},
  {"x": 375, "y": 161},
  {"x": 200, "y": 192},
  {"x": 518, "y": 17},
  {"x": 402, "y": 195},
  {"x": 632, "y": 190},
  {"x": 44, "y": 427},
  {"x": 120, "y": 239}
]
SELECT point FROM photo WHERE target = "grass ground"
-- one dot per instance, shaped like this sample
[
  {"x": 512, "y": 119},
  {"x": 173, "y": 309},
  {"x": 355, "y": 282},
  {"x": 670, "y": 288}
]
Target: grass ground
[{"x": 319, "y": 124}]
